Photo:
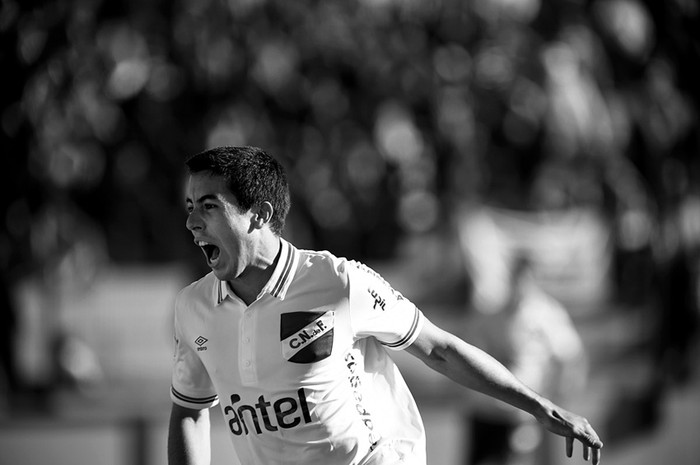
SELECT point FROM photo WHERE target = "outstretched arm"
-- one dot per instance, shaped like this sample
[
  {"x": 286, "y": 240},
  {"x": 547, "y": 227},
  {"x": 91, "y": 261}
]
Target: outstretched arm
[
  {"x": 188, "y": 437},
  {"x": 475, "y": 369}
]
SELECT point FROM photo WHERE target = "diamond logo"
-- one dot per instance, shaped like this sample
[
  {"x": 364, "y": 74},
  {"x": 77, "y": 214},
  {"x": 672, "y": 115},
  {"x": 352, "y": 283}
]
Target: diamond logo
[{"x": 200, "y": 341}]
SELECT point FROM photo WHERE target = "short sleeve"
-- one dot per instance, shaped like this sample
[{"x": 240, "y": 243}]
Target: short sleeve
[
  {"x": 191, "y": 386},
  {"x": 378, "y": 310}
]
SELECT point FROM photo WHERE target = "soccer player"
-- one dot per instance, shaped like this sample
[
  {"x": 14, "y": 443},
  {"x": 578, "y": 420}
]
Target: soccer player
[{"x": 293, "y": 343}]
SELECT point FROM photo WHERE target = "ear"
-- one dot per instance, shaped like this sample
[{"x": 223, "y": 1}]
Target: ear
[{"x": 263, "y": 215}]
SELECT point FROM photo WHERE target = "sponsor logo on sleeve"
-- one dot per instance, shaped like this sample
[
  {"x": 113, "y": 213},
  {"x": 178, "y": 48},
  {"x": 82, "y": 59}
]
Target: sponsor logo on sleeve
[
  {"x": 306, "y": 337},
  {"x": 381, "y": 281},
  {"x": 379, "y": 301}
]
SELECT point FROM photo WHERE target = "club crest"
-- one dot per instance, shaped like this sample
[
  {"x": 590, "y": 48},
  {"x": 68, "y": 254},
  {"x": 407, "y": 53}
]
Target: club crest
[{"x": 306, "y": 337}]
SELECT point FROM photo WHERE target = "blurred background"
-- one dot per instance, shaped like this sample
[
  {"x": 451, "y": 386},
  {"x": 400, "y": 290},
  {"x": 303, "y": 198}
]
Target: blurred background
[{"x": 525, "y": 171}]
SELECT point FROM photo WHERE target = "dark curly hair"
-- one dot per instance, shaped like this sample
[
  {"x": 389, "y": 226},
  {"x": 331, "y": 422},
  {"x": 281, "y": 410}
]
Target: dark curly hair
[{"x": 251, "y": 175}]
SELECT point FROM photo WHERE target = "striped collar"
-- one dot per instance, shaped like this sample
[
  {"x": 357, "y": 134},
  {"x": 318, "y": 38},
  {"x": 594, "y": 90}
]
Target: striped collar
[{"x": 280, "y": 280}]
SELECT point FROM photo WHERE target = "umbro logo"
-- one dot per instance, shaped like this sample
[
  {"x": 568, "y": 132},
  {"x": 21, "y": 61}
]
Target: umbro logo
[{"x": 200, "y": 341}]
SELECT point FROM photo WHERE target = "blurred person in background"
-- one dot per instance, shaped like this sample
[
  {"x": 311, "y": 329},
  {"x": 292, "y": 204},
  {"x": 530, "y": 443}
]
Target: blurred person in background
[
  {"x": 532, "y": 334},
  {"x": 43, "y": 354},
  {"x": 292, "y": 343}
]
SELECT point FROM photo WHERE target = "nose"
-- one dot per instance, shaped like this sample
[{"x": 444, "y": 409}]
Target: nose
[{"x": 193, "y": 222}]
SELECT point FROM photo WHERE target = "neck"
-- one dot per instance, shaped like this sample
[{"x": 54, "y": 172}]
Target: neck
[{"x": 251, "y": 282}]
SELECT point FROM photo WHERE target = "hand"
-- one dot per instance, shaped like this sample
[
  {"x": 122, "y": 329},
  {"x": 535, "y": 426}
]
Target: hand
[{"x": 572, "y": 427}]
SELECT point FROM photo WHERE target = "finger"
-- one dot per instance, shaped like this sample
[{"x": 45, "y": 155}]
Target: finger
[
  {"x": 596, "y": 456},
  {"x": 569, "y": 446},
  {"x": 586, "y": 452}
]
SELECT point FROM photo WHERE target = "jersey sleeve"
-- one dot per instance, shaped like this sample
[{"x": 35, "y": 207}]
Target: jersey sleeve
[
  {"x": 191, "y": 386},
  {"x": 378, "y": 310}
]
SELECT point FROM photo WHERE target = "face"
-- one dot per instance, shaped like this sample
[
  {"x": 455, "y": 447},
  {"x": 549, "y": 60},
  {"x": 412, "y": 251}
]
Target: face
[{"x": 224, "y": 233}]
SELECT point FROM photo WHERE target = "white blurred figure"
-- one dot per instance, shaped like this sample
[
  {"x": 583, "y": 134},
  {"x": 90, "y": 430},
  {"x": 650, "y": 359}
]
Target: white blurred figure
[{"x": 532, "y": 334}]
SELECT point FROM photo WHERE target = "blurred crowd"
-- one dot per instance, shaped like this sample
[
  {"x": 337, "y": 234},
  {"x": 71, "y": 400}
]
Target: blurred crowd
[{"x": 392, "y": 118}]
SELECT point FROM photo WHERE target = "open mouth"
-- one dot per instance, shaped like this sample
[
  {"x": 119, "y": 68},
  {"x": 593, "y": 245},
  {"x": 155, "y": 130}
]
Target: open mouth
[{"x": 210, "y": 251}]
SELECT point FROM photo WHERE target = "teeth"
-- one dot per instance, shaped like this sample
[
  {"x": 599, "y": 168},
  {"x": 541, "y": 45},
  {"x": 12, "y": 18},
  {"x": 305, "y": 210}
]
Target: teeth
[{"x": 202, "y": 243}]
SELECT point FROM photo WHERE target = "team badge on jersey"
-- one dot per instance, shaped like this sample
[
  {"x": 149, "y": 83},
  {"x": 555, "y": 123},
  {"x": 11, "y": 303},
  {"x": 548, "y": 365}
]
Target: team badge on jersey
[{"x": 306, "y": 337}]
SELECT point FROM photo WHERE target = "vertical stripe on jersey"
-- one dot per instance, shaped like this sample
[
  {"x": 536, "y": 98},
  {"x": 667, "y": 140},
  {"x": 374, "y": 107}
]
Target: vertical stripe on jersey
[{"x": 286, "y": 271}]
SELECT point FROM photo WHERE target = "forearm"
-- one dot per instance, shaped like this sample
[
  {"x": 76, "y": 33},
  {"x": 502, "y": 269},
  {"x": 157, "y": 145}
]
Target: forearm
[
  {"x": 188, "y": 437},
  {"x": 477, "y": 370}
]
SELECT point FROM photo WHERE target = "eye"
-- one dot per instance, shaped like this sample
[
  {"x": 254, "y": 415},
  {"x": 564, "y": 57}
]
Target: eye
[{"x": 209, "y": 206}]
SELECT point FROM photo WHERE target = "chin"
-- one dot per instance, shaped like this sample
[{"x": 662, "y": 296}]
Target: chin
[
  {"x": 223, "y": 275},
  {"x": 220, "y": 274}
]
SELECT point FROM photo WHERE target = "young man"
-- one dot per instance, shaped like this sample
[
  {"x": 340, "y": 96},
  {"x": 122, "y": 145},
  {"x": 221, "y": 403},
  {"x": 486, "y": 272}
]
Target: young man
[{"x": 292, "y": 343}]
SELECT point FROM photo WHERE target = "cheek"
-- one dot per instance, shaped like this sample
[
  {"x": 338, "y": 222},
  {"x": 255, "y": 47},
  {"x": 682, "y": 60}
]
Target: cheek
[{"x": 230, "y": 244}]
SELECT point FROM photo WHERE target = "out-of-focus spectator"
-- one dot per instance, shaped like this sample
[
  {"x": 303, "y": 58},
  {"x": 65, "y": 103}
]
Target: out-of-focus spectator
[
  {"x": 531, "y": 334},
  {"x": 68, "y": 252}
]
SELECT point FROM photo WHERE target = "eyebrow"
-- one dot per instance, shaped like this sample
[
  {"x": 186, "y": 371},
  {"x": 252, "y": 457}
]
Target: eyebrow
[{"x": 203, "y": 198}]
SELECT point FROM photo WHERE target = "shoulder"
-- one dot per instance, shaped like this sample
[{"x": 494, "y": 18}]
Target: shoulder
[
  {"x": 201, "y": 289},
  {"x": 322, "y": 262},
  {"x": 323, "y": 270},
  {"x": 325, "y": 261},
  {"x": 327, "y": 269}
]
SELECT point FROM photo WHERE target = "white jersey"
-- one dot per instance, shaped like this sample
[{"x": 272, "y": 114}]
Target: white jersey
[{"x": 302, "y": 374}]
